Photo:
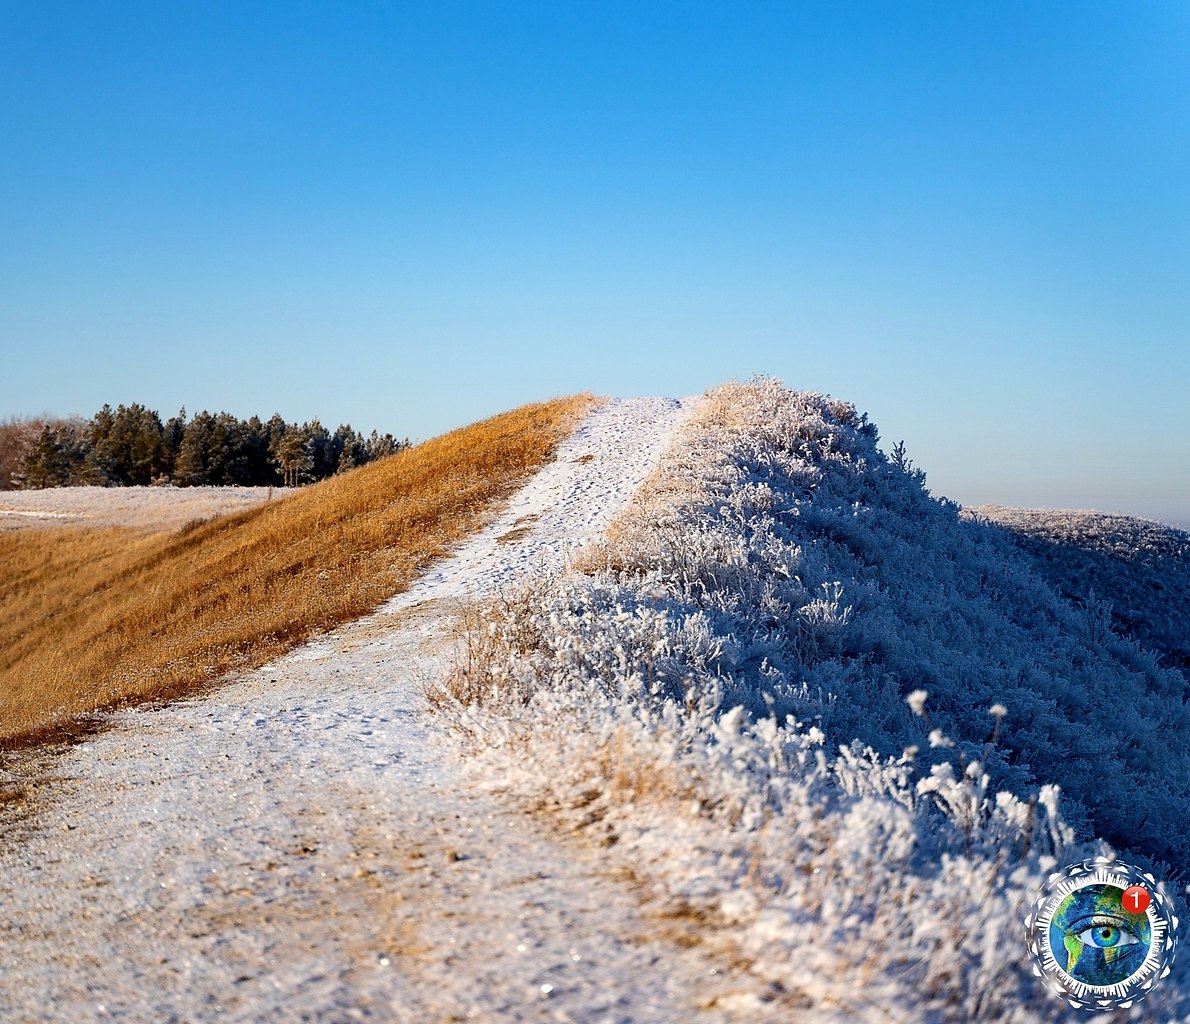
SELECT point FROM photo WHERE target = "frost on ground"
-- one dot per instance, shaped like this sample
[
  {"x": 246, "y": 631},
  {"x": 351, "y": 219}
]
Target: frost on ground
[
  {"x": 1134, "y": 571},
  {"x": 302, "y": 845},
  {"x": 808, "y": 723},
  {"x": 144, "y": 508},
  {"x": 820, "y": 709},
  {"x": 563, "y": 508}
]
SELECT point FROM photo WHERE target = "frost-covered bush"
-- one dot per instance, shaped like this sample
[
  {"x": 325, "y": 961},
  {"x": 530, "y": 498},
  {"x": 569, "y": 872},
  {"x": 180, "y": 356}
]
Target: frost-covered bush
[
  {"x": 811, "y": 700},
  {"x": 833, "y": 584}
]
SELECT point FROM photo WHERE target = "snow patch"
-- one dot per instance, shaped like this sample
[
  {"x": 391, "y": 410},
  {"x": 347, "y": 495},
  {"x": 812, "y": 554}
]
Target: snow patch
[{"x": 303, "y": 838}]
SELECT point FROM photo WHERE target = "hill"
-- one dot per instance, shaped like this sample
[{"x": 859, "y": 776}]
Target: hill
[
  {"x": 830, "y": 713},
  {"x": 1138, "y": 570},
  {"x": 100, "y": 617},
  {"x": 802, "y": 736},
  {"x": 304, "y": 843}
]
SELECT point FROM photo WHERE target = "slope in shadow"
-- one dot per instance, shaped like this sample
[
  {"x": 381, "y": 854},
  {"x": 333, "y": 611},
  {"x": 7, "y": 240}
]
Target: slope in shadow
[{"x": 1141, "y": 569}]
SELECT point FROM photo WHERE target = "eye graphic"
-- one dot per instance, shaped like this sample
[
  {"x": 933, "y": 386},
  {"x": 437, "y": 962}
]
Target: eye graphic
[
  {"x": 1105, "y": 933},
  {"x": 1101, "y": 933},
  {"x": 1095, "y": 941}
]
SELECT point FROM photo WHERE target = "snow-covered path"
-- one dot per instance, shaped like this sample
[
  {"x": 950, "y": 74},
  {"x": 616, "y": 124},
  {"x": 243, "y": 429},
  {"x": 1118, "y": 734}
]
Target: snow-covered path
[{"x": 300, "y": 845}]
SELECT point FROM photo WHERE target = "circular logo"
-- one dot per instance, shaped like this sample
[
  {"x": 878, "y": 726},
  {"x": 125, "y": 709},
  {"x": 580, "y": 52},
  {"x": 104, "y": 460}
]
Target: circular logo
[{"x": 1101, "y": 934}]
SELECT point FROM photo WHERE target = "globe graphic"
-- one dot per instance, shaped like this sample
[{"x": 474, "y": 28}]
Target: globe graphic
[{"x": 1095, "y": 940}]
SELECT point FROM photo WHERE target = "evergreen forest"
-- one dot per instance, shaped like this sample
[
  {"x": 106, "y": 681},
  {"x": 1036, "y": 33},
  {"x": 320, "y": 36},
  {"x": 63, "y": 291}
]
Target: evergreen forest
[{"x": 131, "y": 446}]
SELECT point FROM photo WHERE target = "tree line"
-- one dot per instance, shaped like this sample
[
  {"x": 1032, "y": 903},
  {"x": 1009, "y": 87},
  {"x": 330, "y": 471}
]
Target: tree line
[{"x": 131, "y": 446}]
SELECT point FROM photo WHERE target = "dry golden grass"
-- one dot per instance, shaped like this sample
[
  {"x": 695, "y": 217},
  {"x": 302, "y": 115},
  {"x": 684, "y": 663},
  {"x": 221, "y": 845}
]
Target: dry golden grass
[{"x": 97, "y": 618}]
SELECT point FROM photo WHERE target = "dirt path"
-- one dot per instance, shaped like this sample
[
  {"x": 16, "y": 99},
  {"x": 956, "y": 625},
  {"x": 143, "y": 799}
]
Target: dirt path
[{"x": 302, "y": 845}]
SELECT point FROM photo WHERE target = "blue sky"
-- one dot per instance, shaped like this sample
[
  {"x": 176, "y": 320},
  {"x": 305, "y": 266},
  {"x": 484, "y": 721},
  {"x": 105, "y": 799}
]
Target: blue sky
[{"x": 972, "y": 220}]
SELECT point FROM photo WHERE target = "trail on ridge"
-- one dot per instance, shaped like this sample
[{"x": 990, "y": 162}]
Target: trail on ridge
[{"x": 301, "y": 843}]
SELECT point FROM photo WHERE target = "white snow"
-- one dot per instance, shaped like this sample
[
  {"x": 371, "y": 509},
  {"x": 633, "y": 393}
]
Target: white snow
[
  {"x": 147, "y": 508},
  {"x": 563, "y": 508},
  {"x": 300, "y": 844},
  {"x": 780, "y": 571}
]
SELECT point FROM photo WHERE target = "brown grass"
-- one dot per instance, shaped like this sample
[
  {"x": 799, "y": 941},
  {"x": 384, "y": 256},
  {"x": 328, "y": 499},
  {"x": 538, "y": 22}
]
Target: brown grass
[{"x": 98, "y": 618}]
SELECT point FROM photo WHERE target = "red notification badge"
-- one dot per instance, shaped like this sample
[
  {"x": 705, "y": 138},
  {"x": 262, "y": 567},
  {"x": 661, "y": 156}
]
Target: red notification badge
[{"x": 1136, "y": 899}]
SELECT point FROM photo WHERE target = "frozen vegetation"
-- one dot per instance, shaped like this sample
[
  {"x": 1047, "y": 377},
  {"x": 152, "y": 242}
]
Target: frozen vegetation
[
  {"x": 1141, "y": 569},
  {"x": 801, "y": 742},
  {"x": 847, "y": 727}
]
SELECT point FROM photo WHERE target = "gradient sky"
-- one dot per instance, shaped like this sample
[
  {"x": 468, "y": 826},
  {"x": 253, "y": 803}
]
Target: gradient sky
[{"x": 971, "y": 220}]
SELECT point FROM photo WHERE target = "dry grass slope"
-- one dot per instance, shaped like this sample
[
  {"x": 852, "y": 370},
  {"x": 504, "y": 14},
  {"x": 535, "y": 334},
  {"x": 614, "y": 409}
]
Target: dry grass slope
[{"x": 98, "y": 618}]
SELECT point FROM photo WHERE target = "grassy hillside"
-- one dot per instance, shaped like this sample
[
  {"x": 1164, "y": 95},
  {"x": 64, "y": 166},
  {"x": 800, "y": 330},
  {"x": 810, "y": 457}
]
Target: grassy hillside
[
  {"x": 818, "y": 707},
  {"x": 96, "y": 618},
  {"x": 1141, "y": 569}
]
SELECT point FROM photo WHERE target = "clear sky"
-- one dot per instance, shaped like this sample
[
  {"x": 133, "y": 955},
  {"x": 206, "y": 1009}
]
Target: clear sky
[{"x": 971, "y": 220}]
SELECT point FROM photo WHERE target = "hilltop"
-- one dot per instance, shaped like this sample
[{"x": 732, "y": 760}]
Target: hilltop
[
  {"x": 735, "y": 722},
  {"x": 891, "y": 724}
]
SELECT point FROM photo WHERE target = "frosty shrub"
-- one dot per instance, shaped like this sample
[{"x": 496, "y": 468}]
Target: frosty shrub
[{"x": 857, "y": 731}]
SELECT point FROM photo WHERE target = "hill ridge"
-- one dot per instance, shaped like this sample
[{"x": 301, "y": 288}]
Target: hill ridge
[
  {"x": 304, "y": 836},
  {"x": 787, "y": 692}
]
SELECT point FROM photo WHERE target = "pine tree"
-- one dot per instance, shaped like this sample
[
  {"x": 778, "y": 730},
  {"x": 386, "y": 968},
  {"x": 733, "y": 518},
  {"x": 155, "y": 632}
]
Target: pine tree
[
  {"x": 194, "y": 454},
  {"x": 294, "y": 458},
  {"x": 378, "y": 446},
  {"x": 318, "y": 441},
  {"x": 59, "y": 457},
  {"x": 44, "y": 462},
  {"x": 99, "y": 434},
  {"x": 171, "y": 440},
  {"x": 229, "y": 462},
  {"x": 146, "y": 446},
  {"x": 128, "y": 445},
  {"x": 347, "y": 447}
]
